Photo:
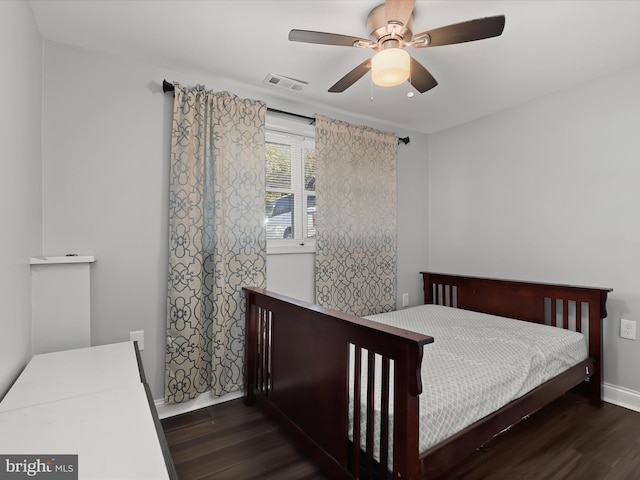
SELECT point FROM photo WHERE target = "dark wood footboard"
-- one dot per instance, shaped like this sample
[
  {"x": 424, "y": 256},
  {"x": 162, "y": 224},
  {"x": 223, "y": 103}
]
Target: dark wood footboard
[{"x": 298, "y": 364}]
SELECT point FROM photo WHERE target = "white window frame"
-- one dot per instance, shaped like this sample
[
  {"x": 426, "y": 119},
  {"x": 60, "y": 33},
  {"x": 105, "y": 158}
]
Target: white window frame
[{"x": 300, "y": 134}]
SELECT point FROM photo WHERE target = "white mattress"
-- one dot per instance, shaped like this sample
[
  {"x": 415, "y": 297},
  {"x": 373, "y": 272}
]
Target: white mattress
[{"x": 478, "y": 363}]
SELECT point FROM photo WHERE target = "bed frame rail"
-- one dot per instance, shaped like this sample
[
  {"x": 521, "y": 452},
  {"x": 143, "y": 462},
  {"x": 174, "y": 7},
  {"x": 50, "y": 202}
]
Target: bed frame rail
[{"x": 299, "y": 359}]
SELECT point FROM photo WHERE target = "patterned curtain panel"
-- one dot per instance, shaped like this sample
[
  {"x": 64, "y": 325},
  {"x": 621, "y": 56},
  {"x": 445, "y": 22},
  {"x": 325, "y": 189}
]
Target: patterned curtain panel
[
  {"x": 217, "y": 238},
  {"x": 356, "y": 222}
]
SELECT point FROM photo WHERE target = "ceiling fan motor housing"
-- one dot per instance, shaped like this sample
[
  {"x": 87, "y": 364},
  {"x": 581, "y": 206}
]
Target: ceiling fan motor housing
[{"x": 388, "y": 35}]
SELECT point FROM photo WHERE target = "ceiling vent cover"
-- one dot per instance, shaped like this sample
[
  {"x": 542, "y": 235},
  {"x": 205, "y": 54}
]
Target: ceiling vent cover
[{"x": 286, "y": 83}]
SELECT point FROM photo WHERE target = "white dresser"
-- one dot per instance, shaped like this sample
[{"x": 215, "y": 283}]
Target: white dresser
[{"x": 92, "y": 402}]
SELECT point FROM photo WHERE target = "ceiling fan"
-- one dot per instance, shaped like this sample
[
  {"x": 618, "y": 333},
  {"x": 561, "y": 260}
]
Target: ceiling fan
[{"x": 390, "y": 25}]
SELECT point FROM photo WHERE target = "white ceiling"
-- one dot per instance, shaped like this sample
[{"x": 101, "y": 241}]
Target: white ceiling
[{"x": 546, "y": 46}]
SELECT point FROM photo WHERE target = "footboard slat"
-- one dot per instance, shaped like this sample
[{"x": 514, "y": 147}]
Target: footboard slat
[
  {"x": 384, "y": 417},
  {"x": 264, "y": 333},
  {"x": 371, "y": 366},
  {"x": 357, "y": 385}
]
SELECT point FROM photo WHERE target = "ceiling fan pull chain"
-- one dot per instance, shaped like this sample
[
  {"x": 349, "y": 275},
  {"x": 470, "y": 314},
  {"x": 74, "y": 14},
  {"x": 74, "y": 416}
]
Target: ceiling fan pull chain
[{"x": 371, "y": 86}]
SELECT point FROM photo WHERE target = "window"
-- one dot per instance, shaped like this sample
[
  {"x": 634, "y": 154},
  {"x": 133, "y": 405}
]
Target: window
[{"x": 290, "y": 199}]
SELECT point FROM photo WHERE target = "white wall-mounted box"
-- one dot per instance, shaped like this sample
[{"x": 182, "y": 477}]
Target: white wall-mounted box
[{"x": 60, "y": 303}]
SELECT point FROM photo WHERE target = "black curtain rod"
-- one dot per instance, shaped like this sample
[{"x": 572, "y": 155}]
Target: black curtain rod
[{"x": 168, "y": 87}]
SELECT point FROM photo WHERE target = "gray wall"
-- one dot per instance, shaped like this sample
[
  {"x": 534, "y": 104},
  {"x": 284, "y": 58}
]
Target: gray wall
[
  {"x": 105, "y": 176},
  {"x": 548, "y": 191},
  {"x": 20, "y": 181}
]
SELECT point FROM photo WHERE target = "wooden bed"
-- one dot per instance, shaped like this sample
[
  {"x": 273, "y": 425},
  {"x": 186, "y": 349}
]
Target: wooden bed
[{"x": 298, "y": 371}]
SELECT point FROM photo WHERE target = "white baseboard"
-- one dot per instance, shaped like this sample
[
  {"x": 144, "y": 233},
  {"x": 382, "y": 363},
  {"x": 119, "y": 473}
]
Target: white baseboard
[
  {"x": 623, "y": 397},
  {"x": 205, "y": 400}
]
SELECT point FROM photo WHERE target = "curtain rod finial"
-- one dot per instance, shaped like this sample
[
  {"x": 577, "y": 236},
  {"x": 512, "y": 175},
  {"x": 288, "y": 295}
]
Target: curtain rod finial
[{"x": 167, "y": 87}]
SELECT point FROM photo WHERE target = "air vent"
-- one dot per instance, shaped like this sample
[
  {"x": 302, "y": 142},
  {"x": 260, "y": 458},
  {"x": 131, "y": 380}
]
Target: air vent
[{"x": 286, "y": 83}]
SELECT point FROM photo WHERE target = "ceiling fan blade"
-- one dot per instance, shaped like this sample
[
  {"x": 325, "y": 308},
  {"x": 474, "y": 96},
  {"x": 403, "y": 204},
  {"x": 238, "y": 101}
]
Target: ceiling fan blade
[
  {"x": 323, "y": 38},
  {"x": 352, "y": 77},
  {"x": 470, "y": 31},
  {"x": 399, "y": 10},
  {"x": 420, "y": 77}
]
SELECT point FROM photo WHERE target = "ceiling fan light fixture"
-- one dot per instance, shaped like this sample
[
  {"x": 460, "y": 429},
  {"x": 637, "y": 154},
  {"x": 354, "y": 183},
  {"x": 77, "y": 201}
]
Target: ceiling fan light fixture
[{"x": 390, "y": 67}]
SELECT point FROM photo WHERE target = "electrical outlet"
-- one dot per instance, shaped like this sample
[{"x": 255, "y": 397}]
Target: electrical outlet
[
  {"x": 137, "y": 337},
  {"x": 628, "y": 329},
  {"x": 405, "y": 299}
]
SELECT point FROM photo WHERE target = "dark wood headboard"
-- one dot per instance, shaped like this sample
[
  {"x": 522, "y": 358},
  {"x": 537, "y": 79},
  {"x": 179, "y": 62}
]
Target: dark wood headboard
[{"x": 509, "y": 298}]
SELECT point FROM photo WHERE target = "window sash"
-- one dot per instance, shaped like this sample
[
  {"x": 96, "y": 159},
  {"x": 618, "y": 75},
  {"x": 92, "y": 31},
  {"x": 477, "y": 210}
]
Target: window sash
[{"x": 303, "y": 214}]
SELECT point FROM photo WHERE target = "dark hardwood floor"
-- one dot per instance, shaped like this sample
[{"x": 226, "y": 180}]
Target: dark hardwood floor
[
  {"x": 230, "y": 441},
  {"x": 569, "y": 439}
]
